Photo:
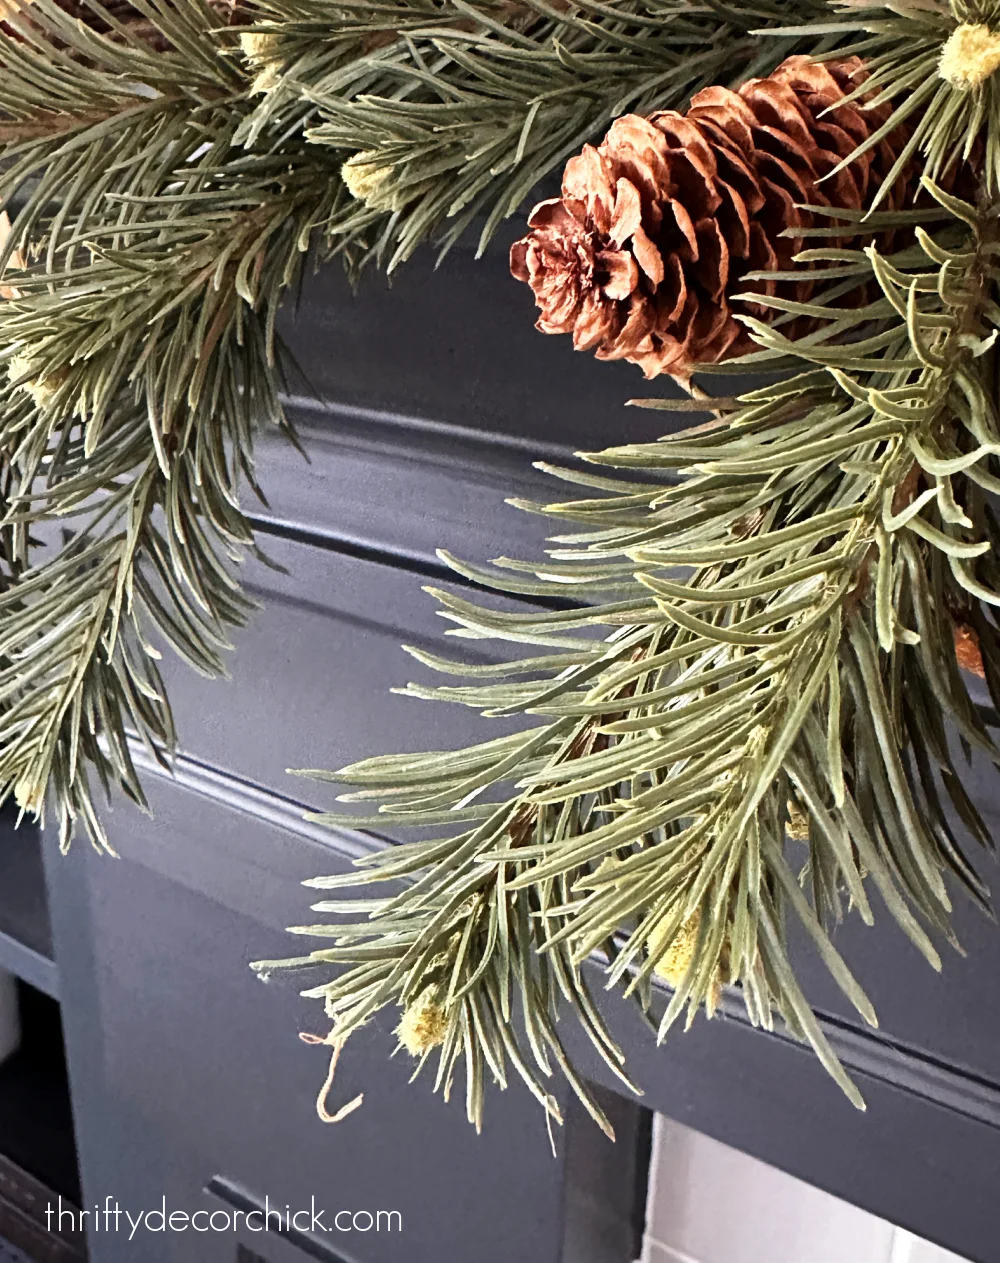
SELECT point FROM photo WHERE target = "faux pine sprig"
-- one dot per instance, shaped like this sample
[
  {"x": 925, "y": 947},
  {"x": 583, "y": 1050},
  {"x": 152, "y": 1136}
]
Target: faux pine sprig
[
  {"x": 934, "y": 60},
  {"x": 146, "y": 258},
  {"x": 778, "y": 592},
  {"x": 453, "y": 112}
]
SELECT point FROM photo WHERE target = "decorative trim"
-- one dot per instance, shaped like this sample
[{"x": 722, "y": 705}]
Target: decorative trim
[
  {"x": 314, "y": 412},
  {"x": 894, "y": 1062},
  {"x": 239, "y": 794},
  {"x": 397, "y": 558},
  {"x": 29, "y": 965},
  {"x": 239, "y": 1198}
]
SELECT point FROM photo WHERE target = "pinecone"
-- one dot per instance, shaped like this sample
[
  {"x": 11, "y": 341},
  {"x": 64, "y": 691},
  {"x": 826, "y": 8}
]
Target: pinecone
[
  {"x": 658, "y": 225},
  {"x": 968, "y": 651}
]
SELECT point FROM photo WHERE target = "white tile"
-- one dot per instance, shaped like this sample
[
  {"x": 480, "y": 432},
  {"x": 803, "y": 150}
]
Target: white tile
[
  {"x": 910, "y": 1249},
  {"x": 717, "y": 1205},
  {"x": 656, "y": 1253}
]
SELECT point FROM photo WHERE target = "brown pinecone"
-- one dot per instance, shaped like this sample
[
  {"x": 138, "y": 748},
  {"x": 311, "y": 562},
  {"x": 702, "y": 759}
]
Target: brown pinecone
[
  {"x": 968, "y": 651},
  {"x": 658, "y": 225}
]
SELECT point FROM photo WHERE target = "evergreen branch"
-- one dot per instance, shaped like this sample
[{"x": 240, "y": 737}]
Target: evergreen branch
[
  {"x": 146, "y": 261},
  {"x": 451, "y": 112},
  {"x": 779, "y": 660}
]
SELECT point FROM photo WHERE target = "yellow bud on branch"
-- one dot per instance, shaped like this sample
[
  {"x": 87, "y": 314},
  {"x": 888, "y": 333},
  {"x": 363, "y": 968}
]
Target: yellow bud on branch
[{"x": 970, "y": 55}]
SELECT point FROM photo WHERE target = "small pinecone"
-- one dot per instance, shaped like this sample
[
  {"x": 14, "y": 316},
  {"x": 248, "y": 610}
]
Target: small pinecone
[
  {"x": 658, "y": 225},
  {"x": 968, "y": 651}
]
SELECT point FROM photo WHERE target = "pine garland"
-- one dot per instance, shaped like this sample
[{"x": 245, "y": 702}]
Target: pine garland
[{"x": 793, "y": 596}]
